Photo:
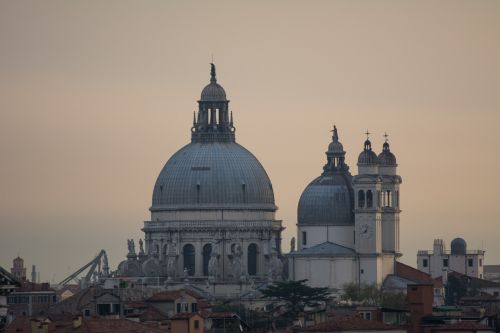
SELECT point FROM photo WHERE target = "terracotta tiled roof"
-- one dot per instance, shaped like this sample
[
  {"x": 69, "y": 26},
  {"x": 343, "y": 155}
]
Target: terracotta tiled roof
[
  {"x": 222, "y": 315},
  {"x": 30, "y": 286},
  {"x": 184, "y": 315},
  {"x": 152, "y": 314},
  {"x": 172, "y": 295},
  {"x": 438, "y": 282},
  {"x": 350, "y": 323},
  {"x": 465, "y": 326},
  {"x": 23, "y": 324},
  {"x": 99, "y": 325},
  {"x": 475, "y": 282},
  {"x": 412, "y": 274},
  {"x": 136, "y": 305}
]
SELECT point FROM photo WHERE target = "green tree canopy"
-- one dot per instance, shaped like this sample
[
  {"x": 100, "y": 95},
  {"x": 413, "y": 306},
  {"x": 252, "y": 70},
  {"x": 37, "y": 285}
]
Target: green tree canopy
[
  {"x": 295, "y": 295},
  {"x": 367, "y": 294}
]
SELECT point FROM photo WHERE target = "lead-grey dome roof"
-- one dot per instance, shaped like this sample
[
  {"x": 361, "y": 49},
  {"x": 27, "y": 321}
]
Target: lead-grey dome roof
[
  {"x": 213, "y": 175},
  {"x": 327, "y": 200},
  {"x": 386, "y": 157},
  {"x": 213, "y": 92},
  {"x": 367, "y": 156},
  {"x": 458, "y": 246}
]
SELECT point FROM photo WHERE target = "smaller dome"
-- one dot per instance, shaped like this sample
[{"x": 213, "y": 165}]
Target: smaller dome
[
  {"x": 386, "y": 157},
  {"x": 458, "y": 246},
  {"x": 327, "y": 200},
  {"x": 335, "y": 147},
  {"x": 213, "y": 92},
  {"x": 367, "y": 156}
]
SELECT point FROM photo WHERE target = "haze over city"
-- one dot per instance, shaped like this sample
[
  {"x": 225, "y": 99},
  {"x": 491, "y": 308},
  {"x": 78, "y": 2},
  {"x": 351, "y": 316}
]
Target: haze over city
[{"x": 96, "y": 96}]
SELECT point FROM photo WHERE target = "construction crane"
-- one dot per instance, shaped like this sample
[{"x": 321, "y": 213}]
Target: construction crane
[{"x": 98, "y": 268}]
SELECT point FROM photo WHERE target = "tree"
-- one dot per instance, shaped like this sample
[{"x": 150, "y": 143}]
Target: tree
[
  {"x": 295, "y": 296},
  {"x": 456, "y": 288},
  {"x": 368, "y": 294}
]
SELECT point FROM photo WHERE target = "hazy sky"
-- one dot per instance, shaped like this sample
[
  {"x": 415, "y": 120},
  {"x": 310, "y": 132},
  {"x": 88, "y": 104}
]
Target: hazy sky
[{"x": 95, "y": 96}]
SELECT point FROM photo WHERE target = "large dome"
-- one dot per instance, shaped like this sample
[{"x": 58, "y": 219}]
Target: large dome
[
  {"x": 215, "y": 175},
  {"x": 327, "y": 200}
]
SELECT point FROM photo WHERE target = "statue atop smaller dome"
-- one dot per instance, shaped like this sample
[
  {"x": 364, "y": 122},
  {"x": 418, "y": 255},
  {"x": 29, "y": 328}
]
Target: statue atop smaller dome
[{"x": 213, "y": 92}]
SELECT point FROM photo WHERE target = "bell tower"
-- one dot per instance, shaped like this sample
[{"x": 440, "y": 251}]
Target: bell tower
[
  {"x": 368, "y": 221},
  {"x": 389, "y": 199}
]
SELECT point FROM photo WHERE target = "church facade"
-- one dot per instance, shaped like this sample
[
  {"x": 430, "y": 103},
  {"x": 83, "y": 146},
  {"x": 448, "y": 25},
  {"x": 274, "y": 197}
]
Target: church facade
[
  {"x": 348, "y": 226},
  {"x": 213, "y": 210}
]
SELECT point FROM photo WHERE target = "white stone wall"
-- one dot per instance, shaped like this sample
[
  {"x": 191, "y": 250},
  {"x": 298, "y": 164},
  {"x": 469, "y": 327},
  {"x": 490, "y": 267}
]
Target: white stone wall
[
  {"x": 213, "y": 215},
  {"x": 457, "y": 263},
  {"x": 371, "y": 241},
  {"x": 371, "y": 270},
  {"x": 342, "y": 235},
  {"x": 368, "y": 170},
  {"x": 388, "y": 263},
  {"x": 263, "y": 233},
  {"x": 331, "y": 272}
]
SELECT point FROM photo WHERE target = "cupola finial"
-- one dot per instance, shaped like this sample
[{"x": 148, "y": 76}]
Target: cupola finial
[
  {"x": 368, "y": 144},
  {"x": 213, "y": 79},
  {"x": 335, "y": 136},
  {"x": 385, "y": 146}
]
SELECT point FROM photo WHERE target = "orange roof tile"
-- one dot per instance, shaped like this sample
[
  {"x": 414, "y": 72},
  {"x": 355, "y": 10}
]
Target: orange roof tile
[
  {"x": 351, "y": 323},
  {"x": 412, "y": 274},
  {"x": 172, "y": 295}
]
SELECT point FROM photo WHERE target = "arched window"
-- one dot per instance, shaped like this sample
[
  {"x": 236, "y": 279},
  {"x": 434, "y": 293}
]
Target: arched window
[
  {"x": 189, "y": 258},
  {"x": 388, "y": 203},
  {"x": 252, "y": 259},
  {"x": 361, "y": 198},
  {"x": 369, "y": 199},
  {"x": 207, "y": 251}
]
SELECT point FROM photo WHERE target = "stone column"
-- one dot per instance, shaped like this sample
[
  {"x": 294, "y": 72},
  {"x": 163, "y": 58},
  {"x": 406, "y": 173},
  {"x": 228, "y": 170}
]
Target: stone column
[{"x": 198, "y": 258}]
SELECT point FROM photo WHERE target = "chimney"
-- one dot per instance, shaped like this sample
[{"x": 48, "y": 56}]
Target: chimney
[
  {"x": 419, "y": 298},
  {"x": 445, "y": 275},
  {"x": 439, "y": 247},
  {"x": 33, "y": 273}
]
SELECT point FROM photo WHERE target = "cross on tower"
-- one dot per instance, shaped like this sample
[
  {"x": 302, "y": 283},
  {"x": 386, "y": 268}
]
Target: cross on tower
[
  {"x": 386, "y": 136},
  {"x": 367, "y": 134}
]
